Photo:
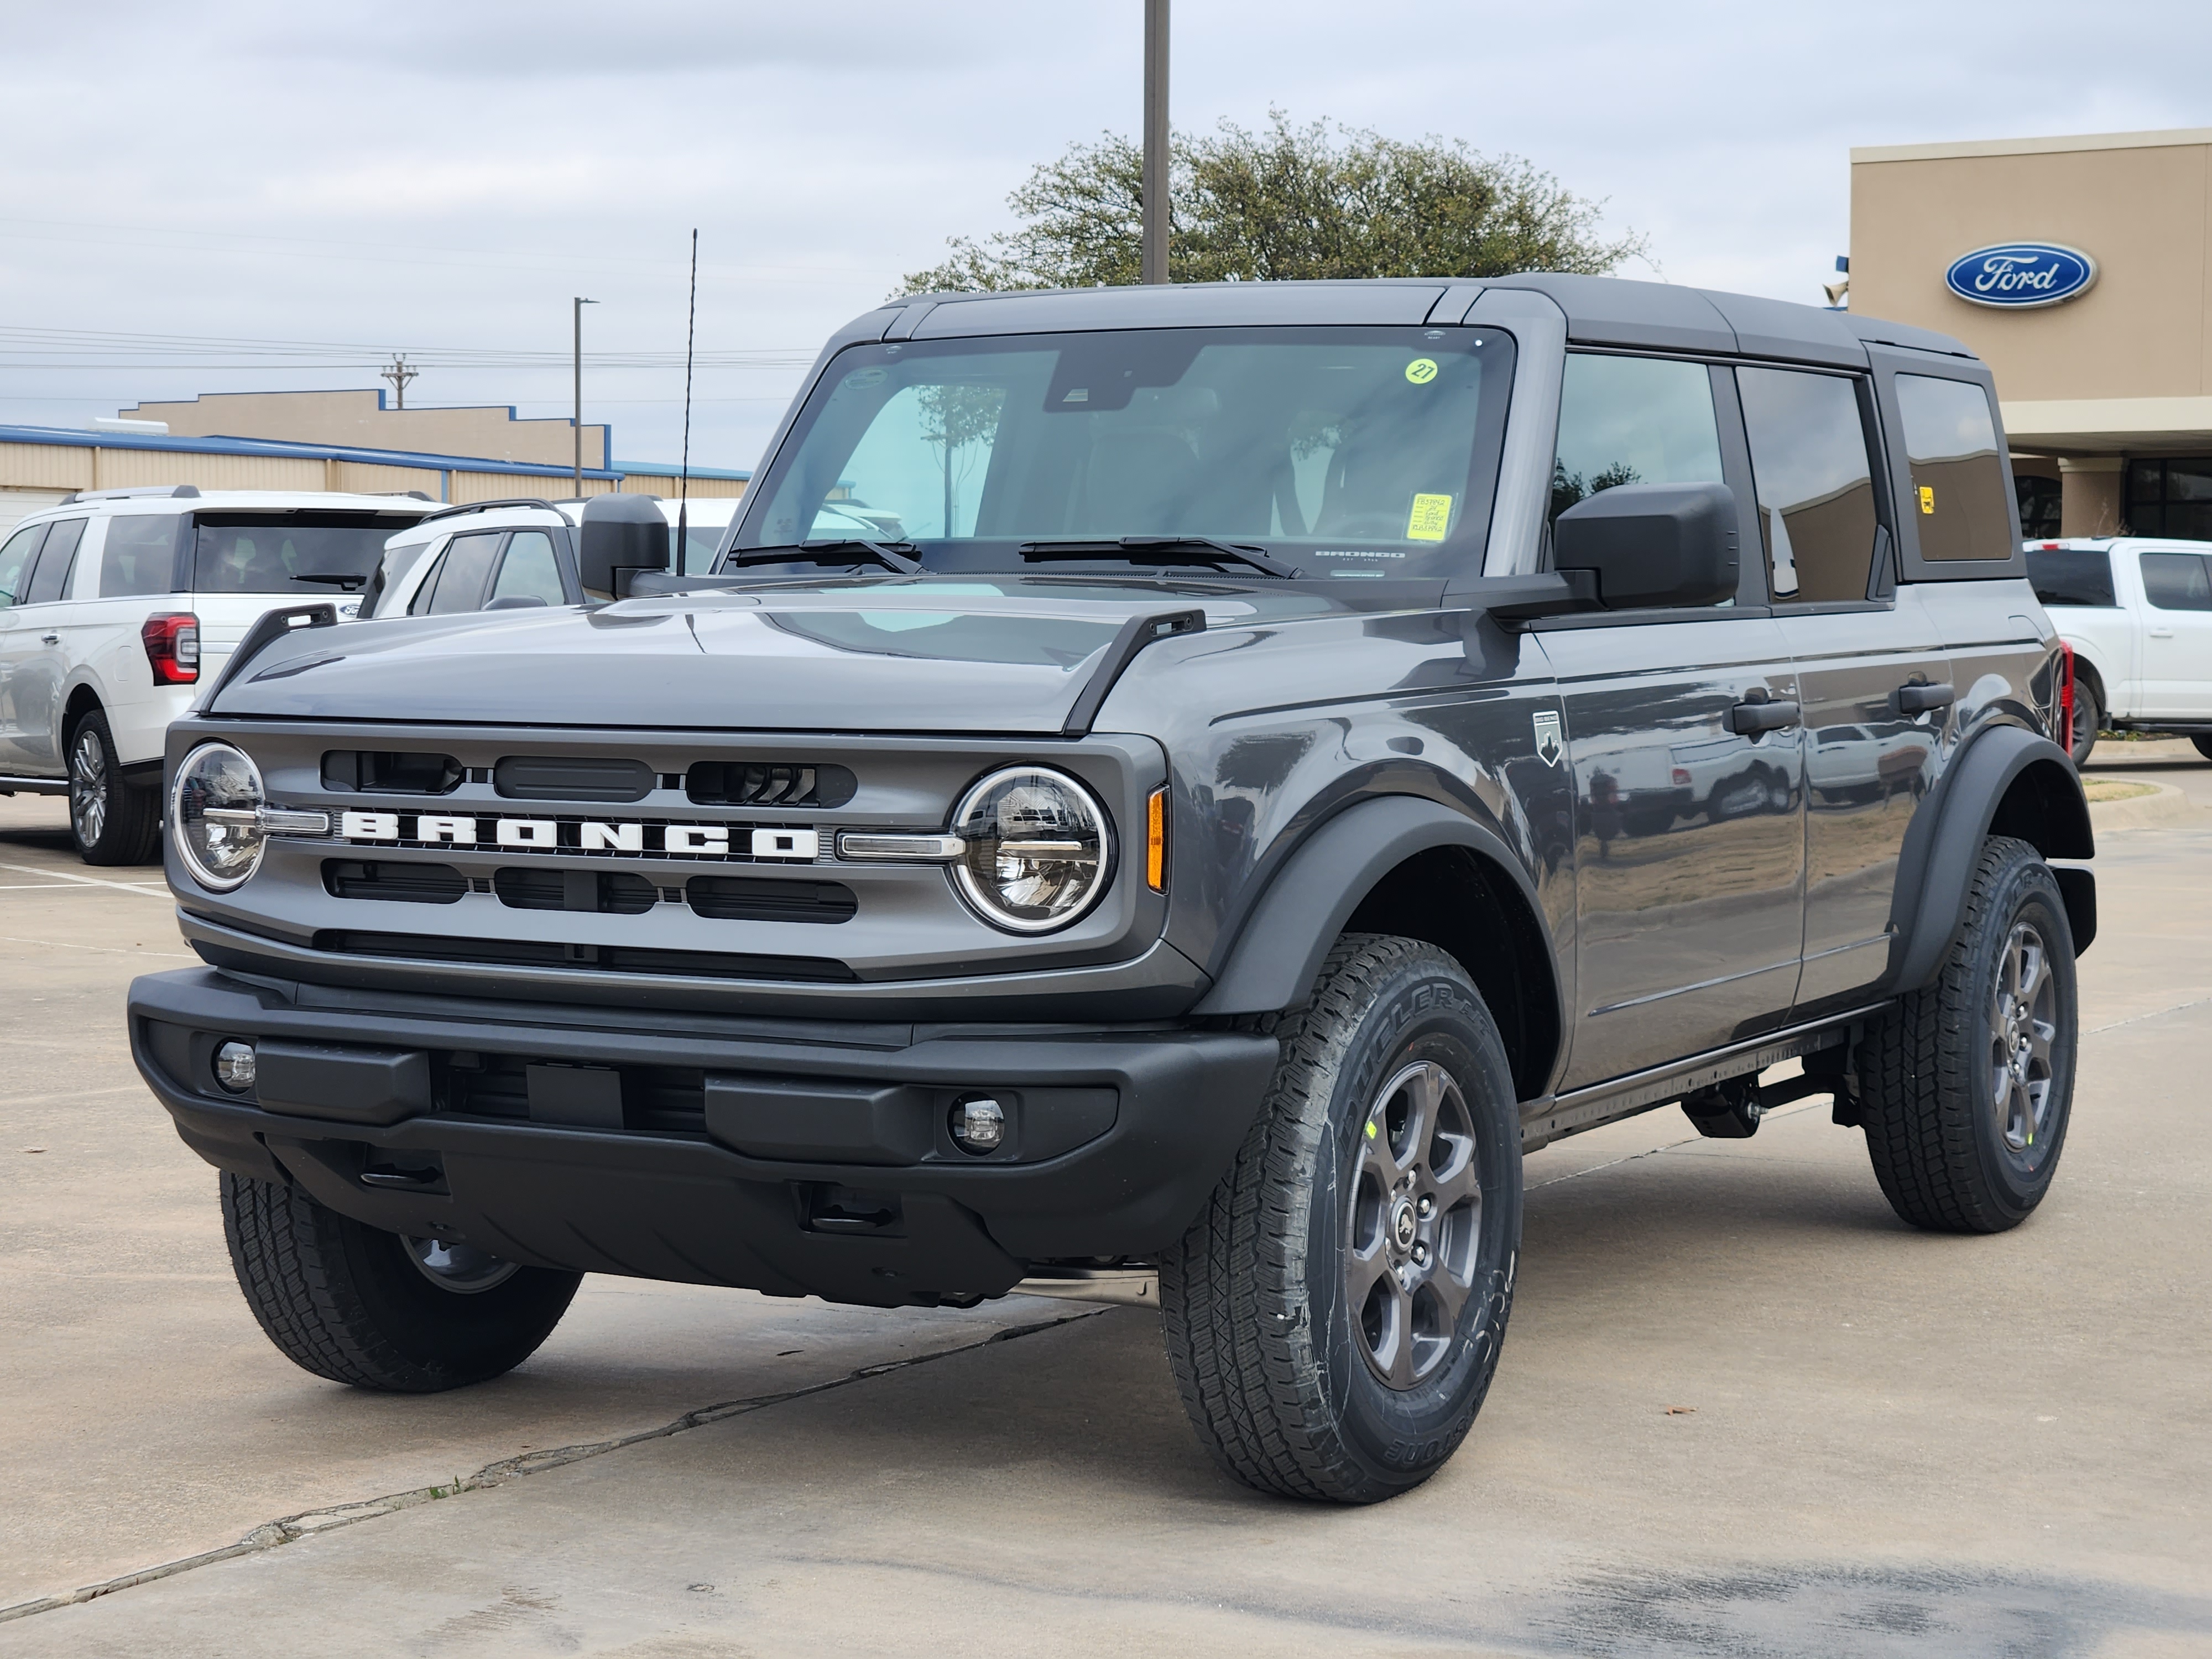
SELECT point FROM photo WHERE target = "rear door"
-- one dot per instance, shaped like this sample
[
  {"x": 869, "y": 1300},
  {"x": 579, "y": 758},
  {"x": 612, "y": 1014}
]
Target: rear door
[
  {"x": 1873, "y": 679},
  {"x": 2177, "y": 647},
  {"x": 1689, "y": 856}
]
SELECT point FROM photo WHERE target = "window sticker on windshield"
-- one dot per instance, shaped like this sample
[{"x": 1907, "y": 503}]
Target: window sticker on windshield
[
  {"x": 1421, "y": 370},
  {"x": 1426, "y": 522}
]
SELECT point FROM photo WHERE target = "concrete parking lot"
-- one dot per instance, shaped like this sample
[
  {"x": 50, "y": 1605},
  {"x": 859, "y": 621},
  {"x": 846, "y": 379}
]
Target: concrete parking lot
[{"x": 1742, "y": 1410}]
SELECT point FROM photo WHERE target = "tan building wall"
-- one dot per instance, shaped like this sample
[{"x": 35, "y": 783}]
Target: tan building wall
[
  {"x": 2124, "y": 369},
  {"x": 357, "y": 420}
]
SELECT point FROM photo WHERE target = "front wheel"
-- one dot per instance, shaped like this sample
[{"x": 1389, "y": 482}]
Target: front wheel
[
  {"x": 1966, "y": 1086},
  {"x": 1334, "y": 1316},
  {"x": 407, "y": 1315}
]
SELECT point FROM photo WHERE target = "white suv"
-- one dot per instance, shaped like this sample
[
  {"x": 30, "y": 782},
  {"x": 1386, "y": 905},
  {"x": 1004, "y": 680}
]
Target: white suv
[
  {"x": 2137, "y": 611},
  {"x": 114, "y": 602}
]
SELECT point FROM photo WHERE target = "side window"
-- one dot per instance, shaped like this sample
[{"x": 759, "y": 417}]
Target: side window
[
  {"x": 420, "y": 605},
  {"x": 1634, "y": 420},
  {"x": 2177, "y": 581},
  {"x": 1810, "y": 463},
  {"x": 1961, "y": 499},
  {"x": 139, "y": 557},
  {"x": 56, "y": 563},
  {"x": 461, "y": 576},
  {"x": 15, "y": 563},
  {"x": 530, "y": 571}
]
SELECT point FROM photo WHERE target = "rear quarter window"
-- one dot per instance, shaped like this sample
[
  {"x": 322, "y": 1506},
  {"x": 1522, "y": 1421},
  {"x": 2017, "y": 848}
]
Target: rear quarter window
[
  {"x": 2071, "y": 575},
  {"x": 1961, "y": 491},
  {"x": 139, "y": 555}
]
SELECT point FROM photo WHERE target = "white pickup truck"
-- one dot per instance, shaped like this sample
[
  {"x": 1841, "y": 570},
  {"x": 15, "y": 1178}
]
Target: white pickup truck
[{"x": 2138, "y": 612}]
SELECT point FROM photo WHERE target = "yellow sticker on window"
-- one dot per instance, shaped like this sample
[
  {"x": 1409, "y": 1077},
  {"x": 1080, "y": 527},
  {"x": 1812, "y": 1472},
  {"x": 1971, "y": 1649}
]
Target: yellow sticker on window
[
  {"x": 1927, "y": 498},
  {"x": 1431, "y": 516},
  {"x": 1421, "y": 370}
]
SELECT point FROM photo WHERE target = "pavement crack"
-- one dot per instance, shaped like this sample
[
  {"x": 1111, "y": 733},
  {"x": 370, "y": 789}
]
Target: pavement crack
[{"x": 313, "y": 1523}]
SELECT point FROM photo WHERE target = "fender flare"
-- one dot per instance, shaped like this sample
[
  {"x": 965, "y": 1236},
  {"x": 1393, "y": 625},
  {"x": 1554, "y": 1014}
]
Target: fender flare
[
  {"x": 1937, "y": 866},
  {"x": 1273, "y": 961}
]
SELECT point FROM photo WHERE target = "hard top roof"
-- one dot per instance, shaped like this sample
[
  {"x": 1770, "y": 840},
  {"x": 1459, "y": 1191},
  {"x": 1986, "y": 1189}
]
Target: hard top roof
[{"x": 1599, "y": 311}]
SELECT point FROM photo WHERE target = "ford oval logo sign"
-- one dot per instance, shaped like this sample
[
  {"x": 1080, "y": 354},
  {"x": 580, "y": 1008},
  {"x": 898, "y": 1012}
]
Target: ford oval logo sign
[{"x": 2019, "y": 274}]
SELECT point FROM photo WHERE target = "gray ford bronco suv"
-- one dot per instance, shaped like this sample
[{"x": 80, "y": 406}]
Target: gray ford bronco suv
[{"x": 1166, "y": 795}]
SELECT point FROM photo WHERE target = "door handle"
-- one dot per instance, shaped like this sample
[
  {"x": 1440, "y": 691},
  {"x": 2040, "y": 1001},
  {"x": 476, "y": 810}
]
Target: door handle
[
  {"x": 1918, "y": 699},
  {"x": 2161, "y": 633},
  {"x": 1753, "y": 716}
]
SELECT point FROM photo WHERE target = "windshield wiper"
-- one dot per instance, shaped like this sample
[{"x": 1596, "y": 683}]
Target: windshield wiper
[
  {"x": 1086, "y": 547},
  {"x": 825, "y": 552},
  {"x": 335, "y": 578}
]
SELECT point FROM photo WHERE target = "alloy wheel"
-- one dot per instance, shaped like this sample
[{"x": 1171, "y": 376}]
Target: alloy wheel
[
  {"x": 453, "y": 1264},
  {"x": 1416, "y": 1213},
  {"x": 2023, "y": 1024},
  {"x": 88, "y": 788}
]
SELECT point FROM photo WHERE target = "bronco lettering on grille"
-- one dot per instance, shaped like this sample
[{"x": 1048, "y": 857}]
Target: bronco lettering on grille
[{"x": 648, "y": 840}]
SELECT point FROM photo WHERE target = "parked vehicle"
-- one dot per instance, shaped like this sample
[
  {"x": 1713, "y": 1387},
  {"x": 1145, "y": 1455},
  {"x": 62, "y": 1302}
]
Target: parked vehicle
[
  {"x": 115, "y": 602},
  {"x": 512, "y": 555},
  {"x": 1190, "y": 865},
  {"x": 2137, "y": 611}
]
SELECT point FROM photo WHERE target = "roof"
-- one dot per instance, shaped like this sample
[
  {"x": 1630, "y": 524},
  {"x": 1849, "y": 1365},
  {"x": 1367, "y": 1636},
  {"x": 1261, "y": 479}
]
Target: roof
[
  {"x": 1599, "y": 311},
  {"x": 2070, "y": 144}
]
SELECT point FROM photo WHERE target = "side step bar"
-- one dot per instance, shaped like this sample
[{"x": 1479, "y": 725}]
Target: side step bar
[
  {"x": 33, "y": 786},
  {"x": 1553, "y": 1117}
]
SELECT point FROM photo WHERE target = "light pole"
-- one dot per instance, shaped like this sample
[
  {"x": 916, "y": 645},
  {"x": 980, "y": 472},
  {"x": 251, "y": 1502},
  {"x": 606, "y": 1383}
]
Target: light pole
[
  {"x": 578, "y": 422},
  {"x": 1155, "y": 260}
]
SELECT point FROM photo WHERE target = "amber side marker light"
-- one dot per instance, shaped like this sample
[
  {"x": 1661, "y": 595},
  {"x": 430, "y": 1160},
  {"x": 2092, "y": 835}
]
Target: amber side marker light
[{"x": 1156, "y": 841}]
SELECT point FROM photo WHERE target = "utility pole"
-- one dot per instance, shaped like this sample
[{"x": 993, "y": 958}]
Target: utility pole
[
  {"x": 1155, "y": 260},
  {"x": 399, "y": 374},
  {"x": 578, "y": 422}
]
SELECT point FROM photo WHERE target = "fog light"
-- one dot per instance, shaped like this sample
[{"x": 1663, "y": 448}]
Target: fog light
[
  {"x": 234, "y": 1067},
  {"x": 978, "y": 1125}
]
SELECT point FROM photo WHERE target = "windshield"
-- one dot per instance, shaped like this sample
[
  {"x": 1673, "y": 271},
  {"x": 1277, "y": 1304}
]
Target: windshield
[
  {"x": 1343, "y": 452},
  {"x": 271, "y": 552}
]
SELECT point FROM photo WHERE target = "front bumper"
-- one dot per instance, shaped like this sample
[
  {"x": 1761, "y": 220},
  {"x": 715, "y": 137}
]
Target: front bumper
[{"x": 787, "y": 1156}]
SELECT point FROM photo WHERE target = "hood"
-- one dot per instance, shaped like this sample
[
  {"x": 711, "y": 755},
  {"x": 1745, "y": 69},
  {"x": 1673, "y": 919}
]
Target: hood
[{"x": 1002, "y": 656}]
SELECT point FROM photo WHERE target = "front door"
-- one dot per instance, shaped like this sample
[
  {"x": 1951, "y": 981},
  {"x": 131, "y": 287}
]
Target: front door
[
  {"x": 1689, "y": 838},
  {"x": 19, "y": 560}
]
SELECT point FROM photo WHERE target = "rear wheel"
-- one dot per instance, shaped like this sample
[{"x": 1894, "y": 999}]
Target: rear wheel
[
  {"x": 407, "y": 1315},
  {"x": 111, "y": 822},
  {"x": 1334, "y": 1316},
  {"x": 1966, "y": 1087},
  {"x": 2088, "y": 716},
  {"x": 2204, "y": 746}
]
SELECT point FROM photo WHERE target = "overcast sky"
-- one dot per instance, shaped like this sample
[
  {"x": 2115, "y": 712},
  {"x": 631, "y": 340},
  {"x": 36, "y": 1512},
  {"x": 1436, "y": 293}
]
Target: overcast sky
[{"x": 421, "y": 177}]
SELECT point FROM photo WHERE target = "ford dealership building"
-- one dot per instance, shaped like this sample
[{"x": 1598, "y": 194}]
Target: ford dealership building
[{"x": 2081, "y": 270}]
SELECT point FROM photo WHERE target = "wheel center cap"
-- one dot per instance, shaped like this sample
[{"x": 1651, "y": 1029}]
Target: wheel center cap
[{"x": 1405, "y": 1228}]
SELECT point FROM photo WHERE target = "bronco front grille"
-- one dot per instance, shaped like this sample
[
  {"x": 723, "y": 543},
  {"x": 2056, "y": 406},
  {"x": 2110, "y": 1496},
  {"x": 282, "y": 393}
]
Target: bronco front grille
[{"x": 606, "y": 958}]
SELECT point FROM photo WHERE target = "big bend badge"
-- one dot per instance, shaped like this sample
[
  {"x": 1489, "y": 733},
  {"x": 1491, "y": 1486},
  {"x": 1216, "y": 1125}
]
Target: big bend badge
[{"x": 1549, "y": 745}]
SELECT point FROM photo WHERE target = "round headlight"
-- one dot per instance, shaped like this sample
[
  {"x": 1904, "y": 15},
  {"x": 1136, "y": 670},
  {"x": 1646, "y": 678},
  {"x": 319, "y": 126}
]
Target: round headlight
[
  {"x": 1039, "y": 849},
  {"x": 211, "y": 814}
]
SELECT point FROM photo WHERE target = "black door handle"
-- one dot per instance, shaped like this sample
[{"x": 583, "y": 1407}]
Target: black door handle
[
  {"x": 49, "y": 639},
  {"x": 1750, "y": 718},
  {"x": 1917, "y": 699}
]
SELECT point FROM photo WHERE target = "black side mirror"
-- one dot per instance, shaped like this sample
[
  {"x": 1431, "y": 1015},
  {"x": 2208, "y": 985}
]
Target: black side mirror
[
  {"x": 1652, "y": 545},
  {"x": 621, "y": 536}
]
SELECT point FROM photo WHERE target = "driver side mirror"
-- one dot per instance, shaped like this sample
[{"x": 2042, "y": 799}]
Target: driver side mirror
[
  {"x": 621, "y": 535},
  {"x": 1652, "y": 546}
]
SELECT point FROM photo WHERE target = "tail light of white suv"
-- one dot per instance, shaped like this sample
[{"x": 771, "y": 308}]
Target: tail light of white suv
[{"x": 172, "y": 647}]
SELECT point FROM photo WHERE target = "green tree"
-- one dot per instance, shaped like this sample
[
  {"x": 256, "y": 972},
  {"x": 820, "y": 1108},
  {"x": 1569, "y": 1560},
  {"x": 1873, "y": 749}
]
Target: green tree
[{"x": 1316, "y": 201}]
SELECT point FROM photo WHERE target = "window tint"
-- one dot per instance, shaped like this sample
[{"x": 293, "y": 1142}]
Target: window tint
[
  {"x": 460, "y": 578},
  {"x": 1809, "y": 462},
  {"x": 56, "y": 561},
  {"x": 276, "y": 553},
  {"x": 1961, "y": 499},
  {"x": 2071, "y": 575},
  {"x": 2177, "y": 581},
  {"x": 15, "y": 563},
  {"x": 1634, "y": 420},
  {"x": 529, "y": 570},
  {"x": 139, "y": 555}
]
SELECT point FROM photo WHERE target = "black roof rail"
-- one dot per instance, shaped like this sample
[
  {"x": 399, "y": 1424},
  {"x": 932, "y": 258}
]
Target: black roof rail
[
  {"x": 486, "y": 507},
  {"x": 174, "y": 492}
]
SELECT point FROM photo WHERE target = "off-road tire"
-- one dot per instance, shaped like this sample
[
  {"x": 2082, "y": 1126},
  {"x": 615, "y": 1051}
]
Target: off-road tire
[
  {"x": 343, "y": 1301},
  {"x": 2088, "y": 716},
  {"x": 1927, "y": 1097},
  {"x": 110, "y": 821},
  {"x": 1254, "y": 1297}
]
